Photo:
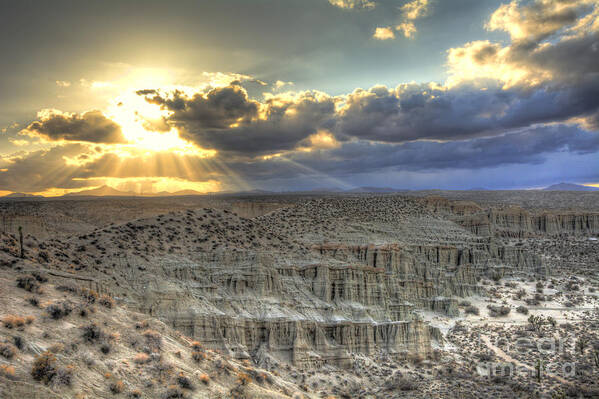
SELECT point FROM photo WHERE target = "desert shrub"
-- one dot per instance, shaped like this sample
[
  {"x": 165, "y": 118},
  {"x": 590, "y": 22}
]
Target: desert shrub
[
  {"x": 56, "y": 348},
  {"x": 44, "y": 367},
  {"x": 406, "y": 384},
  {"x": 205, "y": 379},
  {"x": 520, "y": 293},
  {"x": 13, "y": 321},
  {"x": 153, "y": 338},
  {"x": 532, "y": 301},
  {"x": 172, "y": 392},
  {"x": 196, "y": 346},
  {"x": 464, "y": 303},
  {"x": 116, "y": 387},
  {"x": 59, "y": 310},
  {"x": 33, "y": 301},
  {"x": 243, "y": 378},
  {"x": 7, "y": 350},
  {"x": 472, "y": 310},
  {"x": 135, "y": 394},
  {"x": 28, "y": 283},
  {"x": 105, "y": 348},
  {"x": 141, "y": 358},
  {"x": 522, "y": 309},
  {"x": 91, "y": 332},
  {"x": 18, "y": 340},
  {"x": 64, "y": 375},
  {"x": 29, "y": 319},
  {"x": 198, "y": 356},
  {"x": 90, "y": 296},
  {"x": 106, "y": 301},
  {"x": 162, "y": 370},
  {"x": 184, "y": 382},
  {"x": 7, "y": 371},
  {"x": 498, "y": 311},
  {"x": 67, "y": 288}
]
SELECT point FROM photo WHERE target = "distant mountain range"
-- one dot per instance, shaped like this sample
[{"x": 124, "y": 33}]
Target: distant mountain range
[
  {"x": 22, "y": 195},
  {"x": 570, "y": 187},
  {"x": 107, "y": 191}
]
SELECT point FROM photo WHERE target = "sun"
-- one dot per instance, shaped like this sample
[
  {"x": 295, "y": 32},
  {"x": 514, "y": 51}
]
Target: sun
[{"x": 145, "y": 127}]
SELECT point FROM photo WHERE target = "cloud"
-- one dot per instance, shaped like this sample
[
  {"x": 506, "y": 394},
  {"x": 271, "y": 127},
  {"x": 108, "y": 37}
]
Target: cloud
[
  {"x": 63, "y": 83},
  {"x": 415, "y": 9},
  {"x": 551, "y": 42},
  {"x": 39, "y": 170},
  {"x": 225, "y": 119},
  {"x": 353, "y": 4},
  {"x": 410, "y": 12},
  {"x": 383, "y": 34},
  {"x": 537, "y": 20},
  {"x": 408, "y": 29},
  {"x": 528, "y": 147},
  {"x": 91, "y": 126}
]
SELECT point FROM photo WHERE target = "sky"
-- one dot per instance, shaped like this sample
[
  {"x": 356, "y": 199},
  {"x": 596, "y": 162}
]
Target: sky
[{"x": 284, "y": 95}]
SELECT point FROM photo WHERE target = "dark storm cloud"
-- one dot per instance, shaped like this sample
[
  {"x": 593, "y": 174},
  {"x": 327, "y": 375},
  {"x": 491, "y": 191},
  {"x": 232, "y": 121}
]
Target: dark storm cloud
[
  {"x": 419, "y": 111},
  {"x": 225, "y": 118},
  {"x": 90, "y": 126},
  {"x": 527, "y": 147}
]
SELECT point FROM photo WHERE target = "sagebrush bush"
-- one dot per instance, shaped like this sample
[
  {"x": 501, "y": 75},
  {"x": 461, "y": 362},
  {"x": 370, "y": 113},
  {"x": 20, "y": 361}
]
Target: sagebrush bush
[
  {"x": 28, "y": 283},
  {"x": 44, "y": 367},
  {"x": 522, "y": 309},
  {"x": 7, "y": 350},
  {"x": 64, "y": 375},
  {"x": 92, "y": 333},
  {"x": 153, "y": 338},
  {"x": 184, "y": 382},
  {"x": 472, "y": 310},
  {"x": 58, "y": 310}
]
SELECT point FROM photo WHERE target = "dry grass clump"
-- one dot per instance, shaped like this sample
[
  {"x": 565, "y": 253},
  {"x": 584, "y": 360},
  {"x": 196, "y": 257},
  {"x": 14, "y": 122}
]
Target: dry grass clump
[
  {"x": 106, "y": 301},
  {"x": 90, "y": 296},
  {"x": 205, "y": 379},
  {"x": 243, "y": 378},
  {"x": 7, "y": 350},
  {"x": 197, "y": 346},
  {"x": 56, "y": 348},
  {"x": 198, "y": 356},
  {"x": 141, "y": 358},
  {"x": 13, "y": 321},
  {"x": 116, "y": 387},
  {"x": 7, "y": 371}
]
